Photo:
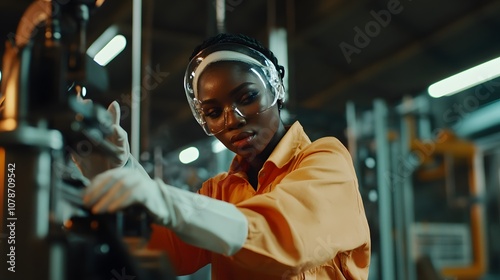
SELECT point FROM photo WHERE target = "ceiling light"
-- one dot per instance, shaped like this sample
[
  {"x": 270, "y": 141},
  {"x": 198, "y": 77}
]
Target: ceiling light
[
  {"x": 111, "y": 50},
  {"x": 189, "y": 155},
  {"x": 466, "y": 79}
]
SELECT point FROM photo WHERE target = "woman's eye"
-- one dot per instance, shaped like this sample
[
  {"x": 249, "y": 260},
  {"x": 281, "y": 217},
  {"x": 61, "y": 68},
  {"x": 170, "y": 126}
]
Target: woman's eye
[
  {"x": 212, "y": 113},
  {"x": 249, "y": 97}
]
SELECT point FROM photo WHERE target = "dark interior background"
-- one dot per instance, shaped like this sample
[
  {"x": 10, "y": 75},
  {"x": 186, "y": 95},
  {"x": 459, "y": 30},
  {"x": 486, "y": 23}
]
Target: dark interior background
[{"x": 420, "y": 42}]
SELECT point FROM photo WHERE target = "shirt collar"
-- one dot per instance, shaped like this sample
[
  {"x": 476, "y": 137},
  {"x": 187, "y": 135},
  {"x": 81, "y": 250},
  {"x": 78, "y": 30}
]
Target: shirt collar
[{"x": 294, "y": 140}]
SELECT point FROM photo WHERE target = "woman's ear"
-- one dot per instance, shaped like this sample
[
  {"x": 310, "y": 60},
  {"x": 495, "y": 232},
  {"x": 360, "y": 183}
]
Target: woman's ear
[
  {"x": 280, "y": 91},
  {"x": 280, "y": 104}
]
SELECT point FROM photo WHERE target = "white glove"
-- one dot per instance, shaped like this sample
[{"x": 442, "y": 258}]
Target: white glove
[
  {"x": 93, "y": 163},
  {"x": 202, "y": 221}
]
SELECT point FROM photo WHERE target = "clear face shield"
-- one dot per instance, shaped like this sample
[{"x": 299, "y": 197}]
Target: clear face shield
[{"x": 212, "y": 117}]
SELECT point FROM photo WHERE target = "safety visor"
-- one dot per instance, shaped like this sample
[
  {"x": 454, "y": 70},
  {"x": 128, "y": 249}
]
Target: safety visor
[{"x": 255, "y": 61}]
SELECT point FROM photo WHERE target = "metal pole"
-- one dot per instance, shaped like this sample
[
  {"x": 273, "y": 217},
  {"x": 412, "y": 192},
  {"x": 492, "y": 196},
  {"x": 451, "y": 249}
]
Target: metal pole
[
  {"x": 399, "y": 217},
  {"x": 220, "y": 15},
  {"x": 385, "y": 196},
  {"x": 278, "y": 41},
  {"x": 136, "y": 78},
  {"x": 405, "y": 179}
]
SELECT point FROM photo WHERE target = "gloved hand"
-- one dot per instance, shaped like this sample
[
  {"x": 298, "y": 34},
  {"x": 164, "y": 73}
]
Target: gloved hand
[
  {"x": 93, "y": 163},
  {"x": 202, "y": 221}
]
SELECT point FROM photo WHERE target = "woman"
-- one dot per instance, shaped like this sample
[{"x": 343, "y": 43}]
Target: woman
[{"x": 286, "y": 209}]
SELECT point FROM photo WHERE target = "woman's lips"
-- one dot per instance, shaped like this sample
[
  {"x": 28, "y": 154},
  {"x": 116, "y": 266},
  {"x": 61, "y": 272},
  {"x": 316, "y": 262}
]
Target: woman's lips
[{"x": 242, "y": 139}]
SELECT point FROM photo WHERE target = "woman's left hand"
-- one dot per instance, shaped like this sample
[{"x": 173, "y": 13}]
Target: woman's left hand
[
  {"x": 119, "y": 188},
  {"x": 202, "y": 221}
]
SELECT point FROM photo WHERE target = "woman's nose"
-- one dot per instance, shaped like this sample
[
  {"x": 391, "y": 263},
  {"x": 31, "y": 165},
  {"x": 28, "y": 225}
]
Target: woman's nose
[{"x": 233, "y": 118}]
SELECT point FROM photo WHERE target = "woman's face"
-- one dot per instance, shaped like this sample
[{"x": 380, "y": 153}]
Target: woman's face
[{"x": 226, "y": 84}]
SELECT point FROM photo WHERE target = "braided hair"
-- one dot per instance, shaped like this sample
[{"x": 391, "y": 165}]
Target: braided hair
[{"x": 242, "y": 40}]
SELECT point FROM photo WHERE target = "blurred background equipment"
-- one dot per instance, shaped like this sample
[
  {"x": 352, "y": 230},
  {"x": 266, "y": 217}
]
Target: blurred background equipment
[
  {"x": 426, "y": 190},
  {"x": 50, "y": 235}
]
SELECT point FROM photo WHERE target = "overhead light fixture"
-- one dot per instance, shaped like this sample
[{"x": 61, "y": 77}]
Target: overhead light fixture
[
  {"x": 111, "y": 50},
  {"x": 466, "y": 79},
  {"x": 189, "y": 155}
]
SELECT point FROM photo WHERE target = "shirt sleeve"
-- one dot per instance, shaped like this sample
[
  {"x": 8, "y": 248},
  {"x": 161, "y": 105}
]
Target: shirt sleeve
[
  {"x": 312, "y": 215},
  {"x": 184, "y": 258}
]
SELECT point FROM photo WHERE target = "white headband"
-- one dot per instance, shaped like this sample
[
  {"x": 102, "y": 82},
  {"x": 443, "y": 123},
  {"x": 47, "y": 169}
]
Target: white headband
[{"x": 220, "y": 56}]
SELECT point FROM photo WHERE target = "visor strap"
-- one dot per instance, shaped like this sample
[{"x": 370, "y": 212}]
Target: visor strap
[{"x": 220, "y": 56}]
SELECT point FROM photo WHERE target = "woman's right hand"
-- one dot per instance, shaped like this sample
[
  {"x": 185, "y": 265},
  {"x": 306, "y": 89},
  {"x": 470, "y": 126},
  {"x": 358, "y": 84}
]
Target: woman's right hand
[{"x": 92, "y": 163}]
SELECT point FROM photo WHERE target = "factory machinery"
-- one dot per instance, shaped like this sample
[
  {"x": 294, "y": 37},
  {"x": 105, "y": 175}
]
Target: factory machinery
[
  {"x": 430, "y": 187},
  {"x": 46, "y": 233}
]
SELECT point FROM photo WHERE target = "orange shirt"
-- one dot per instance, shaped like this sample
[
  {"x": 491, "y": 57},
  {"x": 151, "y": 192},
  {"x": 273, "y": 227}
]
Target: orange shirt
[{"x": 306, "y": 219}]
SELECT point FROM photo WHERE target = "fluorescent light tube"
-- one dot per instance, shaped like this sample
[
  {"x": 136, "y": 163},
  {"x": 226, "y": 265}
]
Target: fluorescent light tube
[
  {"x": 110, "y": 50},
  {"x": 466, "y": 79}
]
